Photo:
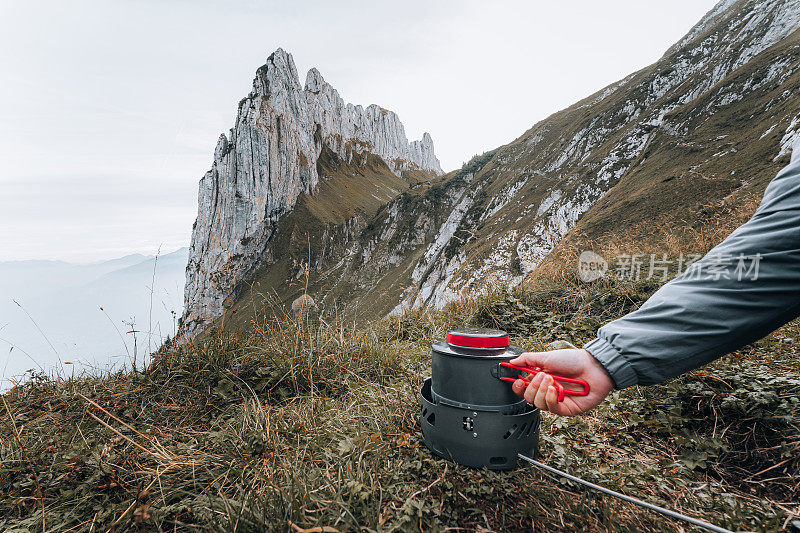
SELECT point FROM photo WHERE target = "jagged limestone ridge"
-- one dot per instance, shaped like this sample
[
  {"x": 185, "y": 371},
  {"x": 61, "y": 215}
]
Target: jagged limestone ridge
[{"x": 266, "y": 161}]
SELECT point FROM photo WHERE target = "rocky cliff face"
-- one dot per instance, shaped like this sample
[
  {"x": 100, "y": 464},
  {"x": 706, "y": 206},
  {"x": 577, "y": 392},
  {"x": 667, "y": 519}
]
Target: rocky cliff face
[
  {"x": 266, "y": 161},
  {"x": 711, "y": 121}
]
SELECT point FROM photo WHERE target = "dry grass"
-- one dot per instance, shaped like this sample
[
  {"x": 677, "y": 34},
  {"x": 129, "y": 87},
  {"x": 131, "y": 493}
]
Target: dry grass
[
  {"x": 295, "y": 426},
  {"x": 663, "y": 236}
]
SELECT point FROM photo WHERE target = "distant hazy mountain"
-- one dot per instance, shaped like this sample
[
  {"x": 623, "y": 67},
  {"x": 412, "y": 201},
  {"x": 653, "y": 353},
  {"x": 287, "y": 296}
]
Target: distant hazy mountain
[{"x": 64, "y": 301}]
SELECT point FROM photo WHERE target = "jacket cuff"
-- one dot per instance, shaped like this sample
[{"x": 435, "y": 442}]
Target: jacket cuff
[{"x": 615, "y": 364}]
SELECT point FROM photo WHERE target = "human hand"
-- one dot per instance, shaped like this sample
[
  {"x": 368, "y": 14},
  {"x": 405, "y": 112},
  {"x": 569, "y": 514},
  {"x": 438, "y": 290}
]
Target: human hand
[{"x": 571, "y": 363}]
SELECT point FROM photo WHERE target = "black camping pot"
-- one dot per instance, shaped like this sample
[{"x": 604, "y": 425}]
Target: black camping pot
[
  {"x": 468, "y": 414},
  {"x": 466, "y": 368}
]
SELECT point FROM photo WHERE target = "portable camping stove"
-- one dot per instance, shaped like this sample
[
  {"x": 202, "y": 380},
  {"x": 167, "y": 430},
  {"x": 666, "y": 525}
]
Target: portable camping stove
[{"x": 469, "y": 414}]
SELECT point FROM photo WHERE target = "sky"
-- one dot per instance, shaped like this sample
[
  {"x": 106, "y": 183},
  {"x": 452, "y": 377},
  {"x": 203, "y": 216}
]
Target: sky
[{"x": 110, "y": 111}]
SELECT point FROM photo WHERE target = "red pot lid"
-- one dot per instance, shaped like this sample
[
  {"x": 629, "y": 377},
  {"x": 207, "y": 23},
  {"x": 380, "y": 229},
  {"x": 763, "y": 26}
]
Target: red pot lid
[{"x": 477, "y": 338}]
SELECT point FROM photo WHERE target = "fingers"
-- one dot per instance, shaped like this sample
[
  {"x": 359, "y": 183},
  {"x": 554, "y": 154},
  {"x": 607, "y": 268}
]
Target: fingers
[
  {"x": 530, "y": 359},
  {"x": 537, "y": 390},
  {"x": 540, "y": 400},
  {"x": 541, "y": 393},
  {"x": 551, "y": 400}
]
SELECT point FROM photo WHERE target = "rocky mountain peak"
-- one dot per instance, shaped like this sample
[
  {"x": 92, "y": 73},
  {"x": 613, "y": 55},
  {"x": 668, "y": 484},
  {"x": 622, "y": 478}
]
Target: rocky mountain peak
[
  {"x": 315, "y": 83},
  {"x": 267, "y": 161},
  {"x": 423, "y": 151}
]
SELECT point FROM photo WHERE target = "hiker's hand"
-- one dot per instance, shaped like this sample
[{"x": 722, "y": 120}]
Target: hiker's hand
[{"x": 571, "y": 363}]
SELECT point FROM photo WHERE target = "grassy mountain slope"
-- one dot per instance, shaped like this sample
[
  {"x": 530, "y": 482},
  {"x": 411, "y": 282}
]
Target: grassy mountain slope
[
  {"x": 716, "y": 171},
  {"x": 693, "y": 135},
  {"x": 354, "y": 244}
]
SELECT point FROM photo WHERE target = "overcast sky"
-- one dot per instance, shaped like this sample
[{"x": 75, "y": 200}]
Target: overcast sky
[{"x": 109, "y": 111}]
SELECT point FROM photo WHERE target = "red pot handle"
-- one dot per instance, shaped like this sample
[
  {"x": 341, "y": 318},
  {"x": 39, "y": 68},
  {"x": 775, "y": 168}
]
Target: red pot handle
[{"x": 560, "y": 389}]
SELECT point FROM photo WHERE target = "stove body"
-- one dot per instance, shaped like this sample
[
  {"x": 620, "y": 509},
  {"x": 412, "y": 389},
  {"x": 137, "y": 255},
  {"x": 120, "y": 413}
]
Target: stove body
[{"x": 470, "y": 416}]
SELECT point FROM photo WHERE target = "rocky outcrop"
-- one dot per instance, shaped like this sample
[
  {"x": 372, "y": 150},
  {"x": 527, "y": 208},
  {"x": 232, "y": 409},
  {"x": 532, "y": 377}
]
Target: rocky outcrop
[{"x": 267, "y": 160}]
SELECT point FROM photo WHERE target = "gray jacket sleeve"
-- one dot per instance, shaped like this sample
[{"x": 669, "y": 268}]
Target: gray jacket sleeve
[{"x": 709, "y": 311}]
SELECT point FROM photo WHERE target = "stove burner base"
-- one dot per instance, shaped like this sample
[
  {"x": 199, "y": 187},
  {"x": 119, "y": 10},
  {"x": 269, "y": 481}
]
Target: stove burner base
[{"x": 476, "y": 437}]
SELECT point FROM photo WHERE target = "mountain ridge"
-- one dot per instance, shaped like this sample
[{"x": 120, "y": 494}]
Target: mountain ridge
[
  {"x": 590, "y": 171},
  {"x": 267, "y": 161},
  {"x": 564, "y": 164}
]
